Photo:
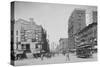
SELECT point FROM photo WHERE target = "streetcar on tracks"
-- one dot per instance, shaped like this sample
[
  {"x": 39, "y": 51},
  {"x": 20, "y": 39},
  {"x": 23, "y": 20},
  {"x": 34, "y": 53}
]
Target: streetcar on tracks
[{"x": 84, "y": 51}]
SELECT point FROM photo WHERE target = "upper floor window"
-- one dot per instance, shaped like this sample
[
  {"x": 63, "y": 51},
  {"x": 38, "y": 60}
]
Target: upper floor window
[{"x": 17, "y": 32}]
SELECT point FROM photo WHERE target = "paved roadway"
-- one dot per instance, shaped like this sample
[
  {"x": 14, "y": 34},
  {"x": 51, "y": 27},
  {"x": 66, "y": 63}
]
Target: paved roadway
[{"x": 56, "y": 59}]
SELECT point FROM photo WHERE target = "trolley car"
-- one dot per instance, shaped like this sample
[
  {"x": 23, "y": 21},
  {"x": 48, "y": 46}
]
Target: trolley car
[{"x": 84, "y": 51}]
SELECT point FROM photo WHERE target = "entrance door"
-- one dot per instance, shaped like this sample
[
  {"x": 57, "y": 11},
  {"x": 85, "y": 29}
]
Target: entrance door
[{"x": 28, "y": 47}]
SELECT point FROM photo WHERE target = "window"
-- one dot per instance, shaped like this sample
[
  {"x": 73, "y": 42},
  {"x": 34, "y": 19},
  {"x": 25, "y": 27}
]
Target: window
[
  {"x": 23, "y": 46},
  {"x": 17, "y": 32},
  {"x": 33, "y": 40},
  {"x": 27, "y": 46},
  {"x": 36, "y": 46}
]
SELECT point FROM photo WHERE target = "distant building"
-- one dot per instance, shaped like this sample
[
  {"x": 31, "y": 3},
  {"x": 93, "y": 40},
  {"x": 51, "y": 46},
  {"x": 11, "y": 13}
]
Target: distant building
[
  {"x": 63, "y": 45},
  {"x": 77, "y": 21}
]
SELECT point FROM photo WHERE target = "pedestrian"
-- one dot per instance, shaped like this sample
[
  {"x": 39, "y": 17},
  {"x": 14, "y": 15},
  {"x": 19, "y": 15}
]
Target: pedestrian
[
  {"x": 67, "y": 57},
  {"x": 41, "y": 56}
]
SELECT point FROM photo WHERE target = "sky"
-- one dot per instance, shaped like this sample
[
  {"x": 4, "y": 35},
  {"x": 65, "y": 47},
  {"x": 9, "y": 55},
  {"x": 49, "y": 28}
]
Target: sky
[{"x": 53, "y": 17}]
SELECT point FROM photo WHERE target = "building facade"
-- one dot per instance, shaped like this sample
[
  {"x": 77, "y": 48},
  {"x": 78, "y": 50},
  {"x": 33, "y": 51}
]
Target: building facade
[
  {"x": 87, "y": 37},
  {"x": 89, "y": 33},
  {"x": 77, "y": 21},
  {"x": 63, "y": 45},
  {"x": 29, "y": 37},
  {"x": 94, "y": 14},
  {"x": 91, "y": 17}
]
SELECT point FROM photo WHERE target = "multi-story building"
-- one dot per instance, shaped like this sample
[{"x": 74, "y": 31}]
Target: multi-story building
[
  {"x": 87, "y": 36},
  {"x": 63, "y": 45},
  {"x": 77, "y": 21},
  {"x": 29, "y": 37},
  {"x": 26, "y": 33}
]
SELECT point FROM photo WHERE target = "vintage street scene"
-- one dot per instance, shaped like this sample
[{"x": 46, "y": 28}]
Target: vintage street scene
[{"x": 48, "y": 33}]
